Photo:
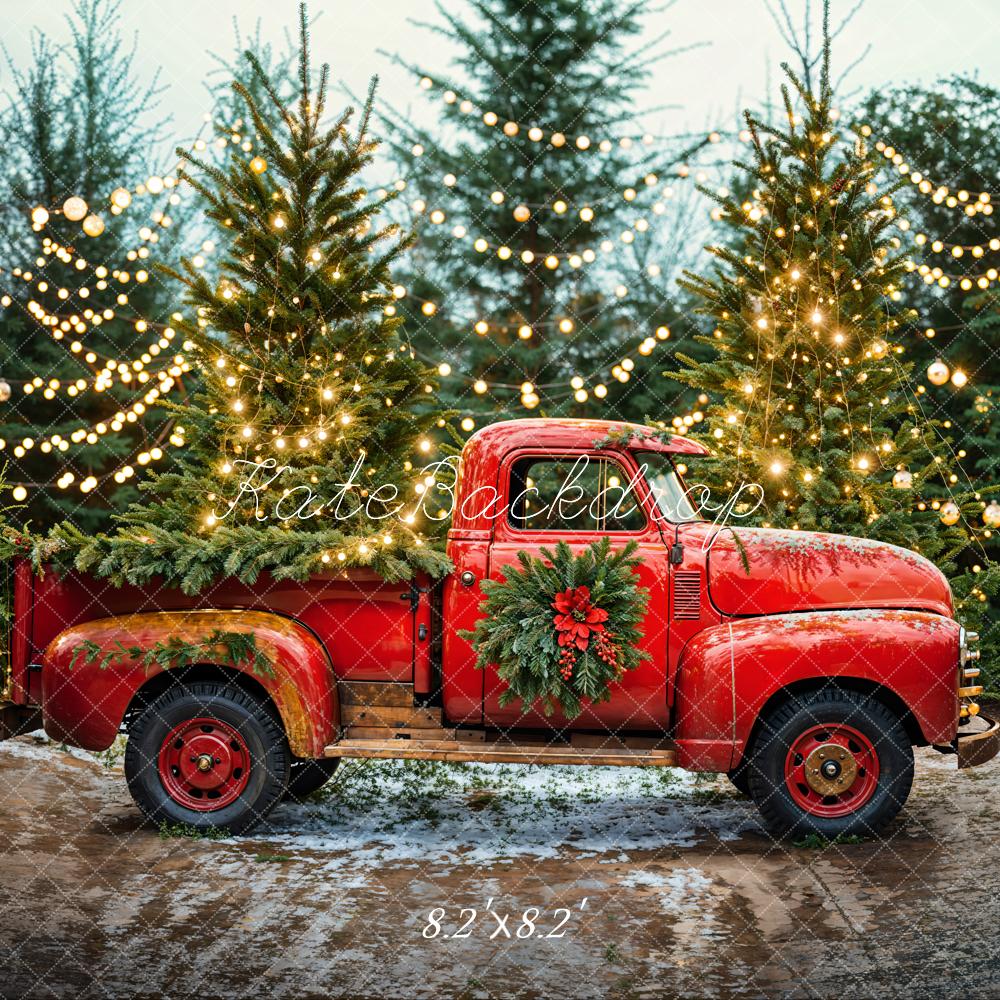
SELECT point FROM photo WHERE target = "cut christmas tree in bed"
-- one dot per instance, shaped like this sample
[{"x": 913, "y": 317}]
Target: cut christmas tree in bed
[{"x": 308, "y": 441}]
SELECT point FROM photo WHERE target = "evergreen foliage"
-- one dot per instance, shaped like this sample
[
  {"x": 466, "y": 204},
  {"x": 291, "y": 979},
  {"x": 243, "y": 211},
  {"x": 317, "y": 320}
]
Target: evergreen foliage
[
  {"x": 525, "y": 326},
  {"x": 947, "y": 134},
  {"x": 314, "y": 420},
  {"x": 813, "y": 397},
  {"x": 73, "y": 128},
  {"x": 233, "y": 648}
]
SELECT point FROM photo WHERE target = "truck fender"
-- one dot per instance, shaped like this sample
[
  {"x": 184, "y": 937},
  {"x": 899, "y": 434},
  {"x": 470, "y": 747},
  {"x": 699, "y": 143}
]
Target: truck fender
[
  {"x": 728, "y": 673},
  {"x": 86, "y": 692}
]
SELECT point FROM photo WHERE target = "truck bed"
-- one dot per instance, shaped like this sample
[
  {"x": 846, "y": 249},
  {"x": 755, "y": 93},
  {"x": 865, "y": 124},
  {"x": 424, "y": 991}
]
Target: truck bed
[{"x": 372, "y": 630}]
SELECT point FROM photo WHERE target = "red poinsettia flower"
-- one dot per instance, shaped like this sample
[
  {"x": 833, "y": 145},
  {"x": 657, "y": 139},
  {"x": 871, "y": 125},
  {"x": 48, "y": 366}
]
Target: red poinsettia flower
[{"x": 577, "y": 617}]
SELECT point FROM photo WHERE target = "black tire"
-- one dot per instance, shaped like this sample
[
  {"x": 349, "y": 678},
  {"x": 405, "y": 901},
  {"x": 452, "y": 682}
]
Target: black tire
[
  {"x": 254, "y": 729},
  {"x": 308, "y": 776},
  {"x": 739, "y": 778},
  {"x": 787, "y": 724}
]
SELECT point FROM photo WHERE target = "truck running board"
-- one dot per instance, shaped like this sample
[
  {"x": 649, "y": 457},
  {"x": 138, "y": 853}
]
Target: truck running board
[{"x": 456, "y": 750}]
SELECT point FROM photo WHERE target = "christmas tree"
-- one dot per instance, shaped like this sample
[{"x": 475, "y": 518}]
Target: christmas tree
[
  {"x": 530, "y": 203},
  {"x": 85, "y": 350},
  {"x": 812, "y": 394},
  {"x": 941, "y": 139},
  {"x": 228, "y": 107},
  {"x": 309, "y": 438}
]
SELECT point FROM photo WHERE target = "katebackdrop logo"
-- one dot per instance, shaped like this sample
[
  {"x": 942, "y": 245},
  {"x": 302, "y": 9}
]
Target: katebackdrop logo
[{"x": 668, "y": 500}]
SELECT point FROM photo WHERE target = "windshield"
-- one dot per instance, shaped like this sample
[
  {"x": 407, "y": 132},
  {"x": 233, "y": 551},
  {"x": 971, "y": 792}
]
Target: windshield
[{"x": 665, "y": 484}]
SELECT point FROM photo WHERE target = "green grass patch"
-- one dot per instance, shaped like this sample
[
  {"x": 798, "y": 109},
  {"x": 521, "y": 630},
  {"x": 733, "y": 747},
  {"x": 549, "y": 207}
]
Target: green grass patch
[
  {"x": 817, "y": 842},
  {"x": 170, "y": 831}
]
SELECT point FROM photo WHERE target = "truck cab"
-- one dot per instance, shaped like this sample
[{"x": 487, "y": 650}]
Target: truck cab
[{"x": 806, "y": 666}]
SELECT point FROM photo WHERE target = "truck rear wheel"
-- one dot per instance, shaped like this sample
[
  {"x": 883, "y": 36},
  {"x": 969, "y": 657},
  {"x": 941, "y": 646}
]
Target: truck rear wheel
[
  {"x": 833, "y": 763},
  {"x": 207, "y": 755}
]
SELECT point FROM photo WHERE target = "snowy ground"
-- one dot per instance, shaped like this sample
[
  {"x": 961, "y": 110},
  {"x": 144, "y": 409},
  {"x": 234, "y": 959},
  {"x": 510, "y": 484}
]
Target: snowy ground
[{"x": 414, "y": 879}]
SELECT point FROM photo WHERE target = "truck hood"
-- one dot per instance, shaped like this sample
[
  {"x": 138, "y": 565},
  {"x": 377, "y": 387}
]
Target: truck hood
[{"x": 805, "y": 570}]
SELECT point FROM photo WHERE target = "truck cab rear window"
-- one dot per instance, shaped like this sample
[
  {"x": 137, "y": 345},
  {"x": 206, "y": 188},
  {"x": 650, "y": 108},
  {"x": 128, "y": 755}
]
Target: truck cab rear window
[{"x": 575, "y": 493}]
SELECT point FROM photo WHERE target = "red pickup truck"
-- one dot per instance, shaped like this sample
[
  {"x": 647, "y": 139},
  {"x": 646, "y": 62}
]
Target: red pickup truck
[{"x": 806, "y": 666}]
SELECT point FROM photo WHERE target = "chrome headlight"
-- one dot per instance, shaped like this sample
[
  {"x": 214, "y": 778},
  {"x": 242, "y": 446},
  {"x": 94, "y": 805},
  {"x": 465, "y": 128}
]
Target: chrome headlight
[
  {"x": 968, "y": 672},
  {"x": 966, "y": 654}
]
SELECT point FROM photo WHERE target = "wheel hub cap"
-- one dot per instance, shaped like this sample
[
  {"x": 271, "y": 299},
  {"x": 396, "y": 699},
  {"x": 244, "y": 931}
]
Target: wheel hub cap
[
  {"x": 204, "y": 764},
  {"x": 831, "y": 770}
]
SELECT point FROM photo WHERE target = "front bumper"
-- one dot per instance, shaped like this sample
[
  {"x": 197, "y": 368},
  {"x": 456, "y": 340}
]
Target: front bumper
[{"x": 978, "y": 747}]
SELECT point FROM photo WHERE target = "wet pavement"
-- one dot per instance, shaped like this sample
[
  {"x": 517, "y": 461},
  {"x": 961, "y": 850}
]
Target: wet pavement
[{"x": 497, "y": 883}]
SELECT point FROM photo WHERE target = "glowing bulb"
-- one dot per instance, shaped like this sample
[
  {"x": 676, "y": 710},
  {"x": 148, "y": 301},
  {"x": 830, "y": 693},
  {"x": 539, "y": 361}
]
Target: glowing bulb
[
  {"x": 949, "y": 513},
  {"x": 74, "y": 208},
  {"x": 93, "y": 225},
  {"x": 938, "y": 372}
]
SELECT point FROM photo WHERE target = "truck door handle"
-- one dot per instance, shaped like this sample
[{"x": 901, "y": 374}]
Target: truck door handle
[{"x": 468, "y": 578}]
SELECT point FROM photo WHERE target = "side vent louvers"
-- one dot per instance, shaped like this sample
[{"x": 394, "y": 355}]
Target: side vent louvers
[{"x": 687, "y": 594}]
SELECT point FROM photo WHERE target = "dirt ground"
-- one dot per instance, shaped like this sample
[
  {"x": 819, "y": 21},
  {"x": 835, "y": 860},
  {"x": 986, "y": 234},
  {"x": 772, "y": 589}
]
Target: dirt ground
[{"x": 644, "y": 887}]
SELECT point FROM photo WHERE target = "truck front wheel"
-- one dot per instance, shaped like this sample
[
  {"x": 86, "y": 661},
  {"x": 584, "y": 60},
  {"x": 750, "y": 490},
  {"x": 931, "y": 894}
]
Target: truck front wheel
[
  {"x": 207, "y": 755},
  {"x": 832, "y": 763}
]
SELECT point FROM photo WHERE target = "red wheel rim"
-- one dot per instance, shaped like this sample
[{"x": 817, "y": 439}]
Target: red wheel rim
[
  {"x": 204, "y": 764},
  {"x": 831, "y": 770}
]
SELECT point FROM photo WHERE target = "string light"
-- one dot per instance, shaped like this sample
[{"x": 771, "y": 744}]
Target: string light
[
  {"x": 940, "y": 194},
  {"x": 556, "y": 138},
  {"x": 577, "y": 385}
]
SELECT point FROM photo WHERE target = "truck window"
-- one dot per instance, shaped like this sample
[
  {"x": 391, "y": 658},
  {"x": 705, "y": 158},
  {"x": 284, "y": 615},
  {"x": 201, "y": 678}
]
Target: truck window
[
  {"x": 668, "y": 492},
  {"x": 574, "y": 493}
]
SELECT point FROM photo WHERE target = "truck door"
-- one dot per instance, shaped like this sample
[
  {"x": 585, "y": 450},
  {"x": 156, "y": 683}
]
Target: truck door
[{"x": 551, "y": 498}]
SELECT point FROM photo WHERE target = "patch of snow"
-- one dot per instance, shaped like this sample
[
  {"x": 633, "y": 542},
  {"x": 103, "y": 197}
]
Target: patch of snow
[
  {"x": 38, "y": 746},
  {"x": 409, "y": 811},
  {"x": 678, "y": 891}
]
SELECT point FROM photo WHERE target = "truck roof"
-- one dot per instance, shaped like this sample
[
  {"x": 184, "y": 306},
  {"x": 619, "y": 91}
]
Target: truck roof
[
  {"x": 485, "y": 450},
  {"x": 560, "y": 432}
]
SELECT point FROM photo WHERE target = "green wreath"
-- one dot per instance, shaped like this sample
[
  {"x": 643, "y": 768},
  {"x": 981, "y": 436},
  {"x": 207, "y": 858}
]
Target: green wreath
[{"x": 562, "y": 628}]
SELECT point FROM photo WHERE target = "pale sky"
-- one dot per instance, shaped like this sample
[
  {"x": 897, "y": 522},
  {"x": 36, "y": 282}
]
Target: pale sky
[{"x": 912, "y": 40}]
